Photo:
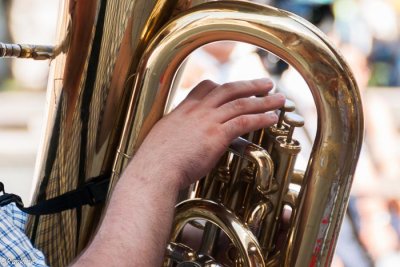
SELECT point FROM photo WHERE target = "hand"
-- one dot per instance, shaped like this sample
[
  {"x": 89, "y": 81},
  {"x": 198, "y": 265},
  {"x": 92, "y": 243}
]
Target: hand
[
  {"x": 181, "y": 148},
  {"x": 190, "y": 140}
]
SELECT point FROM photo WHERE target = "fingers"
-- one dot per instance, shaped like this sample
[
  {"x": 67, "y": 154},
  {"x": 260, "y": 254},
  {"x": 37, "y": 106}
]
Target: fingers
[
  {"x": 201, "y": 90},
  {"x": 241, "y": 89},
  {"x": 250, "y": 105},
  {"x": 247, "y": 123},
  {"x": 238, "y": 107}
]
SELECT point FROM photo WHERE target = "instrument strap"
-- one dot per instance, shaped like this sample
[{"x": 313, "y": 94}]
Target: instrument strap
[{"x": 92, "y": 192}]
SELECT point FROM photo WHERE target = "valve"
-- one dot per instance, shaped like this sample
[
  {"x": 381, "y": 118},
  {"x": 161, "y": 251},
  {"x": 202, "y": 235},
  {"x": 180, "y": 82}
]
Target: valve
[
  {"x": 289, "y": 106},
  {"x": 292, "y": 120}
]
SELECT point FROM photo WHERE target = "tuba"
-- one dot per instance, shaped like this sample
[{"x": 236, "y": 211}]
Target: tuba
[{"x": 111, "y": 76}]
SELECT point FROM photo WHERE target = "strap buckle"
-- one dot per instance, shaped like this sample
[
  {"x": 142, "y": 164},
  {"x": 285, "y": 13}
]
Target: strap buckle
[
  {"x": 96, "y": 190},
  {"x": 6, "y": 199}
]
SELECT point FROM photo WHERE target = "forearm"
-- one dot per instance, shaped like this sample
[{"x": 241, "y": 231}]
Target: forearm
[{"x": 137, "y": 223}]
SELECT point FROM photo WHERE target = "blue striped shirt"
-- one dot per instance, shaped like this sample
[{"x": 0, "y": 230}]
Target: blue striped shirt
[{"x": 15, "y": 247}]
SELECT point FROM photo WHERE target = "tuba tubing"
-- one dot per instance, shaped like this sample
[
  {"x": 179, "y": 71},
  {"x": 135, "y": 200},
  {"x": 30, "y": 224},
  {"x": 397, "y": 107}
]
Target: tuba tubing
[
  {"x": 328, "y": 177},
  {"x": 234, "y": 228},
  {"x": 103, "y": 41}
]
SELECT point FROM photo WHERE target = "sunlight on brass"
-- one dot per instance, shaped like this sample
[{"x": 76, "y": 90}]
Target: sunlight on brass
[
  {"x": 110, "y": 83},
  {"x": 236, "y": 230},
  {"x": 340, "y": 125},
  {"x": 293, "y": 120}
]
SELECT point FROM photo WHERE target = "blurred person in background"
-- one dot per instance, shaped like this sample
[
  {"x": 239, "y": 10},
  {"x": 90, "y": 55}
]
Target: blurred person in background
[
  {"x": 372, "y": 26},
  {"x": 371, "y": 224},
  {"x": 368, "y": 33},
  {"x": 374, "y": 186},
  {"x": 350, "y": 251},
  {"x": 223, "y": 61},
  {"x": 369, "y": 233},
  {"x": 371, "y": 31}
]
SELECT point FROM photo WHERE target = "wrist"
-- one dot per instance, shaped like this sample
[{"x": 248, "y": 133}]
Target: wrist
[{"x": 153, "y": 173}]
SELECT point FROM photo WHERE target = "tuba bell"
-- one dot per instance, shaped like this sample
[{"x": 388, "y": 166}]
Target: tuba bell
[{"x": 110, "y": 81}]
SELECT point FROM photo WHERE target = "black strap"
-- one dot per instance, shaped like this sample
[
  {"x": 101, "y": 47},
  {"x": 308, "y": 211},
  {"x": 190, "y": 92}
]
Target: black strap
[{"x": 92, "y": 193}]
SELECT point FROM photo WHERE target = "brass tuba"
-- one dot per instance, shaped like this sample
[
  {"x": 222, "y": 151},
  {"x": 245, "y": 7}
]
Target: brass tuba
[{"x": 110, "y": 81}]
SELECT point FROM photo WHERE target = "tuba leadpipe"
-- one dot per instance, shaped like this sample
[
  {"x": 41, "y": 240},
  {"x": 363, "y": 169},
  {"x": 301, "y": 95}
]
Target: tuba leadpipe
[{"x": 36, "y": 52}]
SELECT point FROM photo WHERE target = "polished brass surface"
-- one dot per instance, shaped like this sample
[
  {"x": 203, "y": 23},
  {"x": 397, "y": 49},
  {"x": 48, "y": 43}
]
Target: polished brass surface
[
  {"x": 263, "y": 161},
  {"x": 297, "y": 177},
  {"x": 110, "y": 82},
  {"x": 292, "y": 120},
  {"x": 99, "y": 46},
  {"x": 326, "y": 184},
  {"x": 232, "y": 226},
  {"x": 284, "y": 152},
  {"x": 180, "y": 252},
  {"x": 280, "y": 129}
]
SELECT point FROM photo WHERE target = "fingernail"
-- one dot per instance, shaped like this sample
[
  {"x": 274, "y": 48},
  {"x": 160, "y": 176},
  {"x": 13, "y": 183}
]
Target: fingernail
[
  {"x": 268, "y": 81},
  {"x": 280, "y": 96}
]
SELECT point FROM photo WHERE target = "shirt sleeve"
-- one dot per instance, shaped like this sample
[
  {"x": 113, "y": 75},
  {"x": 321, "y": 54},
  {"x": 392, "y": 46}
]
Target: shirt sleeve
[{"x": 15, "y": 247}]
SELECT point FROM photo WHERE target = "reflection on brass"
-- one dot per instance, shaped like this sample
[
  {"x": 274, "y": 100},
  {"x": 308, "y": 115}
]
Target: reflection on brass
[
  {"x": 280, "y": 129},
  {"x": 36, "y": 52},
  {"x": 180, "y": 252},
  {"x": 315, "y": 221},
  {"x": 292, "y": 120},
  {"x": 110, "y": 81},
  {"x": 98, "y": 48},
  {"x": 232, "y": 226}
]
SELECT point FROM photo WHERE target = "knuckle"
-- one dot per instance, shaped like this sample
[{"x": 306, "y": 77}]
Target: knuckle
[
  {"x": 207, "y": 83},
  {"x": 254, "y": 83},
  {"x": 266, "y": 100},
  {"x": 188, "y": 107},
  {"x": 228, "y": 132},
  {"x": 267, "y": 120},
  {"x": 227, "y": 84},
  {"x": 239, "y": 104},
  {"x": 230, "y": 85},
  {"x": 258, "y": 84},
  {"x": 241, "y": 122}
]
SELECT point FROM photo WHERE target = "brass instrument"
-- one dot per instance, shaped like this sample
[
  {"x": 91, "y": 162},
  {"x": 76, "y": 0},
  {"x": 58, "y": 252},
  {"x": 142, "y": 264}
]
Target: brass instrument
[{"x": 110, "y": 80}]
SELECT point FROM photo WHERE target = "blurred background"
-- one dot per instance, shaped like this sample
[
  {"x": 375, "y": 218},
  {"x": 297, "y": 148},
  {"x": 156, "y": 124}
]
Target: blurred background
[
  {"x": 23, "y": 90},
  {"x": 367, "y": 32}
]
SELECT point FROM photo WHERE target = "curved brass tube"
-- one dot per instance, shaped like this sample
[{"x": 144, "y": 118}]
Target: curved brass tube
[
  {"x": 340, "y": 120},
  {"x": 257, "y": 155},
  {"x": 240, "y": 235}
]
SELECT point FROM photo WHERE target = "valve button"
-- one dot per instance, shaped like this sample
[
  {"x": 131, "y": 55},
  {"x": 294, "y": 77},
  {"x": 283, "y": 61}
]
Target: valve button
[
  {"x": 287, "y": 107},
  {"x": 294, "y": 120}
]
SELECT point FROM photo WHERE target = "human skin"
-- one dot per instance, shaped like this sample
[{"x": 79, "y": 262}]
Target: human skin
[{"x": 180, "y": 149}]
